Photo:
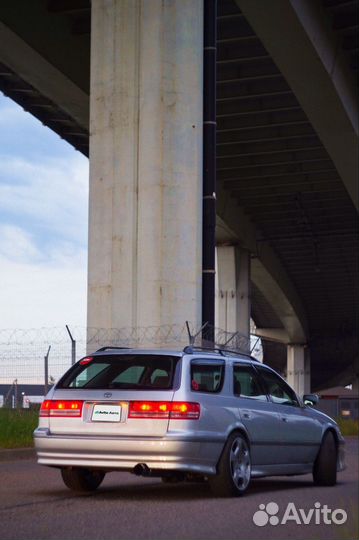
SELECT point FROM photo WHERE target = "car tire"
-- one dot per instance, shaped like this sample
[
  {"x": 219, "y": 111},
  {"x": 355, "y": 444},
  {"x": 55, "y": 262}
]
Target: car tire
[
  {"x": 325, "y": 465},
  {"x": 82, "y": 480},
  {"x": 233, "y": 469}
]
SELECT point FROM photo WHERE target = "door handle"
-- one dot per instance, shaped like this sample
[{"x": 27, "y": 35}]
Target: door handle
[
  {"x": 246, "y": 415},
  {"x": 284, "y": 418}
]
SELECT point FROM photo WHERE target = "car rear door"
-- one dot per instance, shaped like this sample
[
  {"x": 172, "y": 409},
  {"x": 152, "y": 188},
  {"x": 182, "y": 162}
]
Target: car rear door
[
  {"x": 257, "y": 413},
  {"x": 119, "y": 395}
]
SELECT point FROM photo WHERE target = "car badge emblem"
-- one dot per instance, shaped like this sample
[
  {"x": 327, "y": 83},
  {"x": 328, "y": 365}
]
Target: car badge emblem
[{"x": 107, "y": 394}]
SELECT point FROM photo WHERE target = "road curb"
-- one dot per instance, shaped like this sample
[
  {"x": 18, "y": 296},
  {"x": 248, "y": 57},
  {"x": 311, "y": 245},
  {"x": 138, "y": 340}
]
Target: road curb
[{"x": 15, "y": 454}]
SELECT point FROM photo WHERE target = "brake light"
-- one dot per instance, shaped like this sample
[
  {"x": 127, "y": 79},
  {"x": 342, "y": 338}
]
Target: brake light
[
  {"x": 185, "y": 410},
  {"x": 51, "y": 407},
  {"x": 86, "y": 361},
  {"x": 174, "y": 410}
]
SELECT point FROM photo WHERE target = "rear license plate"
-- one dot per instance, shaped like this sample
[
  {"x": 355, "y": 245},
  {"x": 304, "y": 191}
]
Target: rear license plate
[{"x": 106, "y": 413}]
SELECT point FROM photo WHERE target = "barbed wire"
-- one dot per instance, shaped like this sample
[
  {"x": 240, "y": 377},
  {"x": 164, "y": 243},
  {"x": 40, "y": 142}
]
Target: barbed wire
[{"x": 22, "y": 351}]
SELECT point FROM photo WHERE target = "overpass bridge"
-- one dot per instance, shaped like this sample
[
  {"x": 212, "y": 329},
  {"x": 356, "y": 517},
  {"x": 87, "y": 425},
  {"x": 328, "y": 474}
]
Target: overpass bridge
[{"x": 286, "y": 160}]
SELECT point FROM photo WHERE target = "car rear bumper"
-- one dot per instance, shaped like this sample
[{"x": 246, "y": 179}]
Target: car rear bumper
[{"x": 114, "y": 453}]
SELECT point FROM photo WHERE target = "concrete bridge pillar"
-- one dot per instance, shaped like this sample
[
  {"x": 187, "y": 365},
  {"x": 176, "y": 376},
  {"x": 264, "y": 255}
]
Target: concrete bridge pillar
[
  {"x": 145, "y": 210},
  {"x": 233, "y": 289},
  {"x": 298, "y": 368}
]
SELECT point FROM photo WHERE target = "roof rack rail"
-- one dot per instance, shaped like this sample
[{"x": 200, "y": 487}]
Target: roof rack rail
[
  {"x": 189, "y": 349},
  {"x": 111, "y": 347}
]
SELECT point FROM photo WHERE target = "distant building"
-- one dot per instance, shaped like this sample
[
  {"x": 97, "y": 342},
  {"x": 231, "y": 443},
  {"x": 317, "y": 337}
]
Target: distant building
[
  {"x": 15, "y": 395},
  {"x": 339, "y": 402}
]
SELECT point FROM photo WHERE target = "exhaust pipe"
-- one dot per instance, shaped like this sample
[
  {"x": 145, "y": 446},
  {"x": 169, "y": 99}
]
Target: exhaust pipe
[{"x": 141, "y": 469}]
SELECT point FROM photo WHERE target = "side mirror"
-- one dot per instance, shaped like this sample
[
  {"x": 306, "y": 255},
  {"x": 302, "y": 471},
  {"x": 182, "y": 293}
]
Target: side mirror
[{"x": 310, "y": 399}]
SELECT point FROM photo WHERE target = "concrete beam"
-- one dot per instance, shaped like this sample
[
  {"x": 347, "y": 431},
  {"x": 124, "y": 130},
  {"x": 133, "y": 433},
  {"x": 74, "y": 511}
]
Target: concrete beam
[
  {"x": 33, "y": 68},
  {"x": 224, "y": 235},
  {"x": 273, "y": 334},
  {"x": 267, "y": 272},
  {"x": 298, "y": 36}
]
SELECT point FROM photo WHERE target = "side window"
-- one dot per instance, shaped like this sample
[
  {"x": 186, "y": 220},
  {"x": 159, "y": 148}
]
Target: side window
[
  {"x": 246, "y": 383},
  {"x": 206, "y": 376},
  {"x": 278, "y": 389}
]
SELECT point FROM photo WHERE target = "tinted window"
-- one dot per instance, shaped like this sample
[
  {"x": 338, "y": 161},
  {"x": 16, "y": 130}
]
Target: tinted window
[
  {"x": 246, "y": 383},
  {"x": 123, "y": 371},
  {"x": 207, "y": 377},
  {"x": 278, "y": 389}
]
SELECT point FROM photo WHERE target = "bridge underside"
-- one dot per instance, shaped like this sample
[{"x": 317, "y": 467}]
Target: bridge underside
[{"x": 275, "y": 157}]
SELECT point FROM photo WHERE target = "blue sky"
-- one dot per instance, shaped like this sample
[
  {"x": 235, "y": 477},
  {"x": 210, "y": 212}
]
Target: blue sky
[{"x": 43, "y": 224}]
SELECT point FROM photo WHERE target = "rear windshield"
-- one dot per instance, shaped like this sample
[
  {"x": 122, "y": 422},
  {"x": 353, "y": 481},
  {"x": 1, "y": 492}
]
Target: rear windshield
[{"x": 138, "y": 372}]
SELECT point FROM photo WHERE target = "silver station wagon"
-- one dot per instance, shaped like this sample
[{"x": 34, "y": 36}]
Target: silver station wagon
[{"x": 188, "y": 415}]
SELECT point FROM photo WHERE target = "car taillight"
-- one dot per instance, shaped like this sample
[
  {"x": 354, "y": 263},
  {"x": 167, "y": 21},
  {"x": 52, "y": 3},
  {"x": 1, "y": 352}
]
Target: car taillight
[
  {"x": 185, "y": 410},
  {"x": 175, "y": 410},
  {"x": 51, "y": 407}
]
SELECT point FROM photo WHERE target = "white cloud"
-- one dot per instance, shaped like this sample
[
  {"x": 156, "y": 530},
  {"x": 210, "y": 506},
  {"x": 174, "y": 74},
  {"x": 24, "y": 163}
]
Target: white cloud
[
  {"x": 34, "y": 295},
  {"x": 51, "y": 196},
  {"x": 43, "y": 225},
  {"x": 12, "y": 114},
  {"x": 40, "y": 289},
  {"x": 16, "y": 244}
]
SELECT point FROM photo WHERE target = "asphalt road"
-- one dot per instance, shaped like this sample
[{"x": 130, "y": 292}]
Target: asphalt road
[{"x": 34, "y": 505}]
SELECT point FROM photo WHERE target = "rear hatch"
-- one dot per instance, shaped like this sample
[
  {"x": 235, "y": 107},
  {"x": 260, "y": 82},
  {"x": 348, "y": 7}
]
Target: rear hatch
[{"x": 115, "y": 395}]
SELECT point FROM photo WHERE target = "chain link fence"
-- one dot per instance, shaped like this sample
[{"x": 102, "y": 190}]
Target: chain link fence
[{"x": 27, "y": 355}]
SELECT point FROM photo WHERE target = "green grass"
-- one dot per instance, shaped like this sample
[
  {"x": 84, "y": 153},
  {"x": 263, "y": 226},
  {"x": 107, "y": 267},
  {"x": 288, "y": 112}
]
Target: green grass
[
  {"x": 16, "y": 427},
  {"x": 348, "y": 427}
]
